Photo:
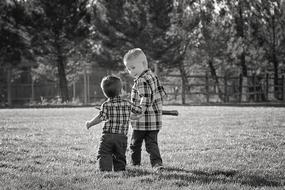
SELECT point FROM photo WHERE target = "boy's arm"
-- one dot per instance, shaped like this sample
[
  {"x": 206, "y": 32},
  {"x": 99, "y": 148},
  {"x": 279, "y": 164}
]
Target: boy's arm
[
  {"x": 136, "y": 112},
  {"x": 102, "y": 116},
  {"x": 136, "y": 109},
  {"x": 145, "y": 94},
  {"x": 138, "y": 115},
  {"x": 96, "y": 120}
]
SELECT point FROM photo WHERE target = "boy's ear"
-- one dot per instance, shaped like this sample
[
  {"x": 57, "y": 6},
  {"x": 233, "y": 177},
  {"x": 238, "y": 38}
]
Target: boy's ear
[{"x": 144, "y": 64}]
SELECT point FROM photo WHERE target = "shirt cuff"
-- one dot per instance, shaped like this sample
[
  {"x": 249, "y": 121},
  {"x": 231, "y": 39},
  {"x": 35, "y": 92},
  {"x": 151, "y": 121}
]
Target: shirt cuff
[{"x": 102, "y": 116}]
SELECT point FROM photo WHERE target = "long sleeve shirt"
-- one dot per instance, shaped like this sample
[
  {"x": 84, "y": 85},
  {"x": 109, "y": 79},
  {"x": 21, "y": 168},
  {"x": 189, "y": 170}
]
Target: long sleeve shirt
[
  {"x": 116, "y": 114},
  {"x": 148, "y": 92}
]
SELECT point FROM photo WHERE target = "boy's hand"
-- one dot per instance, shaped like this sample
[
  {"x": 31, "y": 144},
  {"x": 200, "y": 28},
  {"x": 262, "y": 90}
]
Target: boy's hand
[
  {"x": 135, "y": 116},
  {"x": 88, "y": 124},
  {"x": 125, "y": 95}
]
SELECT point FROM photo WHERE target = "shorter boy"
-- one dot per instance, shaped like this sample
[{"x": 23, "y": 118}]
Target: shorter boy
[{"x": 116, "y": 112}]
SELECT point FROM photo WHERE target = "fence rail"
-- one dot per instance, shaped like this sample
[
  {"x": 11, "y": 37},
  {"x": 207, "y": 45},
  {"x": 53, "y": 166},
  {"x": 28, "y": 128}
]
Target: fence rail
[
  {"x": 254, "y": 88},
  {"x": 202, "y": 88}
]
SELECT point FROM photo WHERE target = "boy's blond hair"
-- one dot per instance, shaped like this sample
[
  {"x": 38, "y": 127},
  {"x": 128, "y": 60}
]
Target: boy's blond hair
[{"x": 134, "y": 53}]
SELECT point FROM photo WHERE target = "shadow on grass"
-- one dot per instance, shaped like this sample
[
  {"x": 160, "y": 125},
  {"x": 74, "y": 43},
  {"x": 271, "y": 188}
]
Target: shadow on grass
[
  {"x": 206, "y": 177},
  {"x": 228, "y": 173}
]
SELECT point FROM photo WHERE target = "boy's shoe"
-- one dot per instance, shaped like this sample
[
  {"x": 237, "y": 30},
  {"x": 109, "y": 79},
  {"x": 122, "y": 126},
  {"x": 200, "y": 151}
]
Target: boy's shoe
[
  {"x": 136, "y": 165},
  {"x": 158, "y": 167}
]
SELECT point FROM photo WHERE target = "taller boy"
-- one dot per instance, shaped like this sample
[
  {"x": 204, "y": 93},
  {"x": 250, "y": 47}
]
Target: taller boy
[{"x": 148, "y": 93}]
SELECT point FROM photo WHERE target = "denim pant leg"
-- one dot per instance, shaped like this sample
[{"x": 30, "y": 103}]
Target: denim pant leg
[
  {"x": 136, "y": 146},
  {"x": 119, "y": 154},
  {"x": 152, "y": 148},
  {"x": 104, "y": 156}
]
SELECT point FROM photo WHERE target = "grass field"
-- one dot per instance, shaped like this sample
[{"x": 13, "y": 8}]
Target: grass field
[{"x": 202, "y": 148}]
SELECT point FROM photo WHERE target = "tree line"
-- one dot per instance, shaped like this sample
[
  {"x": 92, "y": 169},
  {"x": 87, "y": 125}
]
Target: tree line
[{"x": 61, "y": 36}]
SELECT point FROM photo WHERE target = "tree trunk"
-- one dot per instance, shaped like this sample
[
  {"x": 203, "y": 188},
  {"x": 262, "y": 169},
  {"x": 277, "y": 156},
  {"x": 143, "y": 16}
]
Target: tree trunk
[
  {"x": 9, "y": 84},
  {"x": 240, "y": 33},
  {"x": 243, "y": 67},
  {"x": 276, "y": 81},
  {"x": 62, "y": 75},
  {"x": 274, "y": 59},
  {"x": 215, "y": 77},
  {"x": 184, "y": 82}
]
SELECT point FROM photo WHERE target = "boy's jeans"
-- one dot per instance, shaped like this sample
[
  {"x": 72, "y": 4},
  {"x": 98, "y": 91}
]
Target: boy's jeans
[
  {"x": 112, "y": 152},
  {"x": 150, "y": 138}
]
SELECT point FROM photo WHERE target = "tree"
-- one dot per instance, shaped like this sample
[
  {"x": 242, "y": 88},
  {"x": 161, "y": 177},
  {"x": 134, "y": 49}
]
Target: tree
[
  {"x": 122, "y": 25},
  {"x": 14, "y": 35},
  {"x": 281, "y": 32},
  {"x": 60, "y": 25},
  {"x": 253, "y": 34},
  {"x": 15, "y": 39},
  {"x": 182, "y": 36},
  {"x": 265, "y": 25},
  {"x": 213, "y": 40}
]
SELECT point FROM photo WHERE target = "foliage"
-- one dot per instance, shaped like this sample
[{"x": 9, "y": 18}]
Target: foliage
[
  {"x": 61, "y": 28},
  {"x": 186, "y": 36},
  {"x": 121, "y": 25},
  {"x": 14, "y": 33}
]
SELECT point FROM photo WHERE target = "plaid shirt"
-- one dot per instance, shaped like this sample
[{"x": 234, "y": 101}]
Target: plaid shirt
[
  {"x": 116, "y": 114},
  {"x": 148, "y": 92}
]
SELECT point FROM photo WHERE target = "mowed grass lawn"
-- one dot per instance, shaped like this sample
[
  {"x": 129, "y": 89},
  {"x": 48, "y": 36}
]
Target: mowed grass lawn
[{"x": 202, "y": 148}]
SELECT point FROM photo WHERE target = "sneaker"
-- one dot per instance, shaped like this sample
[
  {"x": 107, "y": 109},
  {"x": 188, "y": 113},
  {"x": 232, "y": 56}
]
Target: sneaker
[
  {"x": 158, "y": 167},
  {"x": 136, "y": 165}
]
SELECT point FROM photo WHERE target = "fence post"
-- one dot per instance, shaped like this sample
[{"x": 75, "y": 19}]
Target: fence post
[
  {"x": 240, "y": 88},
  {"x": 271, "y": 86},
  {"x": 156, "y": 69},
  {"x": 74, "y": 90},
  {"x": 9, "y": 86},
  {"x": 183, "y": 91},
  {"x": 88, "y": 88},
  {"x": 254, "y": 93},
  {"x": 207, "y": 87},
  {"x": 85, "y": 86},
  {"x": 244, "y": 89},
  {"x": 283, "y": 88},
  {"x": 33, "y": 90},
  {"x": 266, "y": 86},
  {"x": 234, "y": 87},
  {"x": 225, "y": 89}
]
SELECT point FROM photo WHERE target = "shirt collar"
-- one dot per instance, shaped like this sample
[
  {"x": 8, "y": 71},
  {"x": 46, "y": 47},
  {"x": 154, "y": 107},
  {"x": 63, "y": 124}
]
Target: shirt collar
[
  {"x": 115, "y": 99},
  {"x": 145, "y": 71}
]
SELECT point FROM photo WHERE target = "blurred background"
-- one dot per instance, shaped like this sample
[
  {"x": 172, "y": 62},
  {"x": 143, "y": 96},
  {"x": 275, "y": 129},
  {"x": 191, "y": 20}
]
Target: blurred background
[{"x": 55, "y": 52}]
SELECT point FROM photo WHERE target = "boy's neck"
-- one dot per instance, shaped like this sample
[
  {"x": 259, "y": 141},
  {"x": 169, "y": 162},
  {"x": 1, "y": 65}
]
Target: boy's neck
[
  {"x": 143, "y": 72},
  {"x": 116, "y": 97}
]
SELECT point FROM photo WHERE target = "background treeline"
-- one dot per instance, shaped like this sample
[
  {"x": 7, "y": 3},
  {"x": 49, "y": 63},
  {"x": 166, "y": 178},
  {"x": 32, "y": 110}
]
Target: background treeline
[{"x": 58, "y": 40}]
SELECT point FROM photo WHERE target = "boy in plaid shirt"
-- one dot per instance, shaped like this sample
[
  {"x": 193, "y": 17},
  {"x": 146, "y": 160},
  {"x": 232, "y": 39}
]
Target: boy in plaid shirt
[
  {"x": 148, "y": 93},
  {"x": 116, "y": 113}
]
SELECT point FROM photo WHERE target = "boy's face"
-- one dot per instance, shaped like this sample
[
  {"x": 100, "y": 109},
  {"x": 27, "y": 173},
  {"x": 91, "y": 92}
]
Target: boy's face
[{"x": 136, "y": 66}]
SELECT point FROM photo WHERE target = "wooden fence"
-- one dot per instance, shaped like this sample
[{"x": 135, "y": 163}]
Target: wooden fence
[
  {"x": 254, "y": 88},
  {"x": 26, "y": 92},
  {"x": 200, "y": 88}
]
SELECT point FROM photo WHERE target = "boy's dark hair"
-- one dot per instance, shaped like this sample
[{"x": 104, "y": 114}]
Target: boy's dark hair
[{"x": 111, "y": 86}]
